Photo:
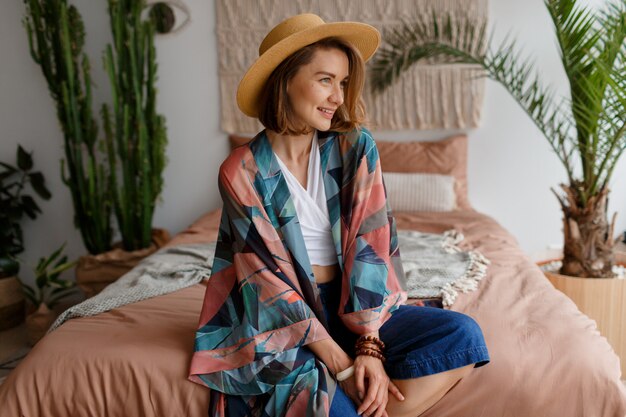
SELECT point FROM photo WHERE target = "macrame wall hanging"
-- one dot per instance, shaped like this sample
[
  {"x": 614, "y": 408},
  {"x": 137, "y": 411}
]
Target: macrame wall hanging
[{"x": 430, "y": 96}]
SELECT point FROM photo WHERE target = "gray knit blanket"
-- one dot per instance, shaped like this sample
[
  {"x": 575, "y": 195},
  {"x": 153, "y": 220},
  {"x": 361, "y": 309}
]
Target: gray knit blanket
[
  {"x": 165, "y": 271},
  {"x": 434, "y": 266}
]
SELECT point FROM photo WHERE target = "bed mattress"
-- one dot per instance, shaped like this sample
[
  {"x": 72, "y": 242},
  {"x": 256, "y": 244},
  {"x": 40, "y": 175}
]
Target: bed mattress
[{"x": 547, "y": 358}]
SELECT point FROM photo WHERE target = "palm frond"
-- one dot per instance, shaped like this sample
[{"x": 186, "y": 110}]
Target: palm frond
[
  {"x": 577, "y": 34},
  {"x": 611, "y": 66},
  {"x": 613, "y": 130},
  {"x": 413, "y": 43},
  {"x": 588, "y": 125},
  {"x": 593, "y": 50},
  {"x": 427, "y": 37},
  {"x": 611, "y": 48}
]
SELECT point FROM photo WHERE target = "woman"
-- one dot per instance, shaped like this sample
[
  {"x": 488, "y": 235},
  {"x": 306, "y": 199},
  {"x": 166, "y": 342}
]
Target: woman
[{"x": 303, "y": 313}]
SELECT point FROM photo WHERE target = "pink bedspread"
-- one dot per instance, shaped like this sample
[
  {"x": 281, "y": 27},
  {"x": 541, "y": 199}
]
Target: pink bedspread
[{"x": 547, "y": 359}]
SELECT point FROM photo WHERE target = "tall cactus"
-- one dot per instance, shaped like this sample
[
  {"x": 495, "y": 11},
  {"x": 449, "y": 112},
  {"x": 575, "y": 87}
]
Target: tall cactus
[
  {"x": 56, "y": 37},
  {"x": 137, "y": 136}
]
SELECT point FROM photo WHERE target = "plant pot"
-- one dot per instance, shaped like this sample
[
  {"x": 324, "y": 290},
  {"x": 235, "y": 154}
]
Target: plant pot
[
  {"x": 95, "y": 272},
  {"x": 601, "y": 299},
  {"x": 11, "y": 303},
  {"x": 38, "y": 323}
]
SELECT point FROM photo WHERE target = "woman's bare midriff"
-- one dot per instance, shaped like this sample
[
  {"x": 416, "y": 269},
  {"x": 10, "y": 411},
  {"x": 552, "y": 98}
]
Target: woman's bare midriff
[{"x": 325, "y": 273}]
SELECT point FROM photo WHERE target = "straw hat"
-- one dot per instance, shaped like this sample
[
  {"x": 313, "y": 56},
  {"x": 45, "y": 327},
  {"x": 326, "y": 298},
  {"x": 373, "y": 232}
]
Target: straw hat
[{"x": 289, "y": 36}]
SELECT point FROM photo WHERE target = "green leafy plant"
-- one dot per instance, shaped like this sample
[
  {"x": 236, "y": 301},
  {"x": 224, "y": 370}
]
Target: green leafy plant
[
  {"x": 49, "y": 289},
  {"x": 587, "y": 130},
  {"x": 14, "y": 205}
]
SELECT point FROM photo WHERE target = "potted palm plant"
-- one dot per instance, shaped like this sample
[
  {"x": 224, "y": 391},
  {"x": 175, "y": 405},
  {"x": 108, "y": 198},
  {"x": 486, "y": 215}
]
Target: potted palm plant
[
  {"x": 126, "y": 177},
  {"x": 587, "y": 130},
  {"x": 14, "y": 206}
]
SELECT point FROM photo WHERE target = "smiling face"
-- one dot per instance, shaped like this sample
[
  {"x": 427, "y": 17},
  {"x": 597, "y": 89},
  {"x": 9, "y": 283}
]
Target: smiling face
[
  {"x": 316, "y": 91},
  {"x": 308, "y": 82}
]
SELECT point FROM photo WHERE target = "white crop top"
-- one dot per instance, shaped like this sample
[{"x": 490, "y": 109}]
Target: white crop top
[{"x": 312, "y": 209}]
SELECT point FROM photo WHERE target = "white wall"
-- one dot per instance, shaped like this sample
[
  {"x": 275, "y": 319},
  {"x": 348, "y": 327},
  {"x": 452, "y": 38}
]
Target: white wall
[{"x": 511, "y": 167}]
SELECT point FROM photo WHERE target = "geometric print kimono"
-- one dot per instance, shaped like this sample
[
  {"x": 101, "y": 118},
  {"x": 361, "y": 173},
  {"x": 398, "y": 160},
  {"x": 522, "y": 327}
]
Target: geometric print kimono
[{"x": 262, "y": 305}]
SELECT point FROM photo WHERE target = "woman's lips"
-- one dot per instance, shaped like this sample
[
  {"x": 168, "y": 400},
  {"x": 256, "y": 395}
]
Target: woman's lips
[{"x": 325, "y": 113}]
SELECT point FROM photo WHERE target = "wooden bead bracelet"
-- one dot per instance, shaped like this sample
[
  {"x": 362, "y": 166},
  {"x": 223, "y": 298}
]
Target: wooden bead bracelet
[
  {"x": 371, "y": 339},
  {"x": 370, "y": 346},
  {"x": 371, "y": 352}
]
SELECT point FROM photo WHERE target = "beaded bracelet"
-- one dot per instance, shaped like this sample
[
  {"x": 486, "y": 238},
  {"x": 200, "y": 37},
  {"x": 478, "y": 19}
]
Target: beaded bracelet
[
  {"x": 371, "y": 352},
  {"x": 372, "y": 339},
  {"x": 368, "y": 345}
]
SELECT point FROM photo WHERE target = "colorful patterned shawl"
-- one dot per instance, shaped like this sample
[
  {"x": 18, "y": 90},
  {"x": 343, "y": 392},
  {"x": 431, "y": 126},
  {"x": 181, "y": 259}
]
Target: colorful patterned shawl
[{"x": 262, "y": 305}]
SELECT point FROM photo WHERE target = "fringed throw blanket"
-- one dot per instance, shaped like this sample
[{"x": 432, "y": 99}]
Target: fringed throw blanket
[
  {"x": 166, "y": 271},
  {"x": 262, "y": 305},
  {"x": 436, "y": 267}
]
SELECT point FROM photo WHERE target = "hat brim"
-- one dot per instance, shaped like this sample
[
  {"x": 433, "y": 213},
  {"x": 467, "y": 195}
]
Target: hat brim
[{"x": 362, "y": 36}]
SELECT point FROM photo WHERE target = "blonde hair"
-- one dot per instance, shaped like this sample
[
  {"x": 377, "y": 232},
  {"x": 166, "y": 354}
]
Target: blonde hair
[{"x": 276, "y": 112}]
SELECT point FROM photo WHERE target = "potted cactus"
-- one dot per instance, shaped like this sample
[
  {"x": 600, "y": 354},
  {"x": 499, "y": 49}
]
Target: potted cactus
[
  {"x": 137, "y": 138},
  {"x": 15, "y": 204},
  {"x": 56, "y": 36},
  {"x": 120, "y": 173}
]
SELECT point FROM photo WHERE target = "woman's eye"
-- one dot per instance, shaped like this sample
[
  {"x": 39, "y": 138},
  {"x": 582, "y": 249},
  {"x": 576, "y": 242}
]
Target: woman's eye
[{"x": 325, "y": 80}]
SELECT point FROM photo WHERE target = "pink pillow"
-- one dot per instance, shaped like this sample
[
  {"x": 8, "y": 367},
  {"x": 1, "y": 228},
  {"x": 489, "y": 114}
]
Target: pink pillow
[{"x": 445, "y": 157}]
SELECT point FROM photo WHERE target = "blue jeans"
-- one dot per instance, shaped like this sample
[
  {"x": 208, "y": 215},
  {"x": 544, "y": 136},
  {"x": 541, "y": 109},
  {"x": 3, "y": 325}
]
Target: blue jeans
[
  {"x": 342, "y": 405},
  {"x": 439, "y": 340}
]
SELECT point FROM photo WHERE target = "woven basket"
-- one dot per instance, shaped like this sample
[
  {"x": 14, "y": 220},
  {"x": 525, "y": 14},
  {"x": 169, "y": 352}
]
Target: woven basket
[
  {"x": 38, "y": 323},
  {"x": 11, "y": 303},
  {"x": 95, "y": 272}
]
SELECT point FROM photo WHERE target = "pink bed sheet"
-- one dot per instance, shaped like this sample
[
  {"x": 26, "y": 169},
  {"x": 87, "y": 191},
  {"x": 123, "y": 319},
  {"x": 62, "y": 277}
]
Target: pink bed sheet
[{"x": 547, "y": 359}]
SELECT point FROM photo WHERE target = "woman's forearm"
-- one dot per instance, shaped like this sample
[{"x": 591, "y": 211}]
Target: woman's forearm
[{"x": 333, "y": 356}]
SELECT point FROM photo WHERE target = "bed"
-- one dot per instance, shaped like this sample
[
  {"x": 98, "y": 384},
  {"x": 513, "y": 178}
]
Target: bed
[{"x": 547, "y": 358}]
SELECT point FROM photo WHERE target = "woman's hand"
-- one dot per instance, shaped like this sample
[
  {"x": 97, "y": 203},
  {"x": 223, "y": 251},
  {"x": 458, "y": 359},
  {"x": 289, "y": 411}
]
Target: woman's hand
[
  {"x": 349, "y": 387},
  {"x": 373, "y": 402}
]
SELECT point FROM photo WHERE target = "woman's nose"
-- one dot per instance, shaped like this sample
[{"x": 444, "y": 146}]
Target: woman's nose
[{"x": 337, "y": 96}]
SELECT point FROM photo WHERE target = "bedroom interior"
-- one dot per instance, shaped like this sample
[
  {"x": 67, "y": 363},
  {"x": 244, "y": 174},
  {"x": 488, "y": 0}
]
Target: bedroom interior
[{"x": 467, "y": 172}]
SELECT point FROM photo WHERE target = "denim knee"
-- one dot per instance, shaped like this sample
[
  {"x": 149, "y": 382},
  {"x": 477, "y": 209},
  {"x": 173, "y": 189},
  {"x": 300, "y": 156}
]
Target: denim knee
[
  {"x": 438, "y": 340},
  {"x": 467, "y": 327}
]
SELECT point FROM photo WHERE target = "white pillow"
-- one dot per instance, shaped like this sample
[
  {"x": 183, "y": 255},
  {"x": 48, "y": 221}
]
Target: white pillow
[{"x": 420, "y": 192}]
